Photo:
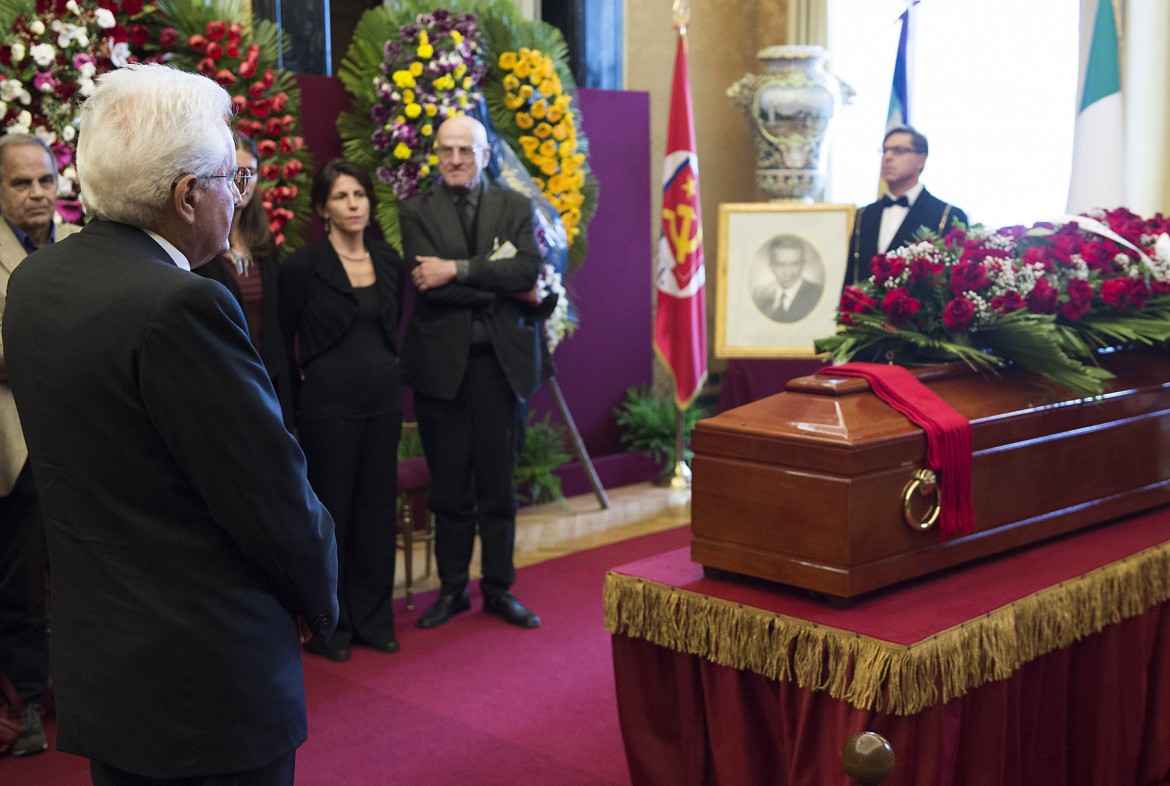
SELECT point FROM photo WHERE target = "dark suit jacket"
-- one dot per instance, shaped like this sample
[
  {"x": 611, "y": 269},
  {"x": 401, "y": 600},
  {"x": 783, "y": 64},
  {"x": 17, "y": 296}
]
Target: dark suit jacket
[
  {"x": 438, "y": 338},
  {"x": 808, "y": 294},
  {"x": 271, "y": 347},
  {"x": 183, "y": 534},
  {"x": 318, "y": 304},
  {"x": 927, "y": 211}
]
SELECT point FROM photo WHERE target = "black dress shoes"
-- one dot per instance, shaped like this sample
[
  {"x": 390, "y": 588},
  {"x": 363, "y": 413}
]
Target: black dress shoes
[
  {"x": 383, "y": 643},
  {"x": 319, "y": 646},
  {"x": 511, "y": 611},
  {"x": 443, "y": 609}
]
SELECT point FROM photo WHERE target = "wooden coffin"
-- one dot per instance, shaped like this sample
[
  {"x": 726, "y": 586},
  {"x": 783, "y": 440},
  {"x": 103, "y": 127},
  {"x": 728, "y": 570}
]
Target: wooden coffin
[{"x": 806, "y": 487}]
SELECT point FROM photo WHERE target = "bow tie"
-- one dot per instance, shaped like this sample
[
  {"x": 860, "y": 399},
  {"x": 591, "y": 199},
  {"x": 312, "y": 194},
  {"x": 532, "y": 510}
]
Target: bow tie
[{"x": 901, "y": 201}]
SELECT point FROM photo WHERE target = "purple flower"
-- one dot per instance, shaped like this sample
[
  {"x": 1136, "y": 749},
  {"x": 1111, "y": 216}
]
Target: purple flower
[{"x": 379, "y": 114}]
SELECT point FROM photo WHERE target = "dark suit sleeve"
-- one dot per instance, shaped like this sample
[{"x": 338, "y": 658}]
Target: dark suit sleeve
[
  {"x": 417, "y": 242},
  {"x": 210, "y": 397},
  {"x": 292, "y": 294}
]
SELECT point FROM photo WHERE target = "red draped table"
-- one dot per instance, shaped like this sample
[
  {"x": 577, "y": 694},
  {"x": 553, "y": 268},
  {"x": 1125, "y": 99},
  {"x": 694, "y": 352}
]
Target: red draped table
[{"x": 1049, "y": 665}]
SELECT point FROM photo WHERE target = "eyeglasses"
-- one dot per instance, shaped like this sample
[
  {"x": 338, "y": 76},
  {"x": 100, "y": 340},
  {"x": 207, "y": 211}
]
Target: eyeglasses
[
  {"x": 898, "y": 151},
  {"x": 241, "y": 178},
  {"x": 449, "y": 152}
]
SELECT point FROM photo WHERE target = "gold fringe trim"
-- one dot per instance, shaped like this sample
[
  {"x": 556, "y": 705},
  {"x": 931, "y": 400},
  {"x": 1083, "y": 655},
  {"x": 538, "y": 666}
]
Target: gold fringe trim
[{"x": 872, "y": 674}]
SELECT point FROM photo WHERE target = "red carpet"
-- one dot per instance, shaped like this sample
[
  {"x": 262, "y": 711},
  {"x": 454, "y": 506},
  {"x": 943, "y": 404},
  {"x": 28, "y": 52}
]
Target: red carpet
[{"x": 473, "y": 702}]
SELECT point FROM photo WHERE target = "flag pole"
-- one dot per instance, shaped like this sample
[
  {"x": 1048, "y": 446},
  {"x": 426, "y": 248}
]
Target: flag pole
[{"x": 680, "y": 476}]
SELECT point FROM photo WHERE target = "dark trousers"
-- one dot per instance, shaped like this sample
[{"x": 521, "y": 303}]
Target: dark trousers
[
  {"x": 353, "y": 467},
  {"x": 472, "y": 443},
  {"x": 277, "y": 773},
  {"x": 24, "y": 638}
]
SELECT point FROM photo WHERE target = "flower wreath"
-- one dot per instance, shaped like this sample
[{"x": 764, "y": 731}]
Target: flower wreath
[
  {"x": 52, "y": 50},
  {"x": 408, "y": 69}
]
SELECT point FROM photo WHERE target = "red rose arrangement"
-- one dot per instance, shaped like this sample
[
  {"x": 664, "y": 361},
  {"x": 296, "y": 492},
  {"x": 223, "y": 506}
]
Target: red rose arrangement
[{"x": 1046, "y": 297}]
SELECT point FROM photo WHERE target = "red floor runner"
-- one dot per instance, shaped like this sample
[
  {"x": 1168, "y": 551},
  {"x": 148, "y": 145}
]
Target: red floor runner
[{"x": 473, "y": 702}]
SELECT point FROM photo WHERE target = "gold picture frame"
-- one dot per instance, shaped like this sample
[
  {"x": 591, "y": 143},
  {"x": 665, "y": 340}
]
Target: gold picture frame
[{"x": 781, "y": 269}]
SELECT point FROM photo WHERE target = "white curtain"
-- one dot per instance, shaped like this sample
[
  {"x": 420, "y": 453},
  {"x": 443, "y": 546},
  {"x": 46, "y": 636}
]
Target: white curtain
[
  {"x": 808, "y": 22},
  {"x": 1145, "y": 87}
]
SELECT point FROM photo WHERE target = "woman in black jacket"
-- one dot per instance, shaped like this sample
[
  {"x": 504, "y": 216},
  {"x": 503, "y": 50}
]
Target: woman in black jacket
[{"x": 340, "y": 302}]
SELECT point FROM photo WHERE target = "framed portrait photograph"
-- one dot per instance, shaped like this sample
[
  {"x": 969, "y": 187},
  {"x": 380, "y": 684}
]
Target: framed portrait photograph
[{"x": 781, "y": 269}]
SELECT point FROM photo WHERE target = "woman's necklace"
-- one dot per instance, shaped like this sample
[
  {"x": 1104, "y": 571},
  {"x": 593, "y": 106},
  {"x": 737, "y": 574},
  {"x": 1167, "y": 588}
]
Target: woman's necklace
[
  {"x": 242, "y": 260},
  {"x": 350, "y": 258}
]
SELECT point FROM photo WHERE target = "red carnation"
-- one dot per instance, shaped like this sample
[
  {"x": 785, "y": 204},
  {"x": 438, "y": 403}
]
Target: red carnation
[
  {"x": 214, "y": 50},
  {"x": 884, "y": 267},
  {"x": 292, "y": 168},
  {"x": 922, "y": 269},
  {"x": 267, "y": 148},
  {"x": 117, "y": 34},
  {"x": 958, "y": 313},
  {"x": 139, "y": 35},
  {"x": 256, "y": 90},
  {"x": 235, "y": 31},
  {"x": 900, "y": 305},
  {"x": 253, "y": 52},
  {"x": 1080, "y": 299},
  {"x": 132, "y": 7},
  {"x": 239, "y": 103},
  {"x": 291, "y": 144},
  {"x": 197, "y": 44},
  {"x": 216, "y": 29},
  {"x": 268, "y": 78},
  {"x": 279, "y": 101},
  {"x": 260, "y": 107},
  {"x": 1044, "y": 298},
  {"x": 968, "y": 277},
  {"x": 246, "y": 70},
  {"x": 232, "y": 49},
  {"x": 206, "y": 67},
  {"x": 225, "y": 78},
  {"x": 167, "y": 39},
  {"x": 1007, "y": 302}
]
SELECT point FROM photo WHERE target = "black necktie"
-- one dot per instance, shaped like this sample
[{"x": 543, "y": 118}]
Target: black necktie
[
  {"x": 901, "y": 201},
  {"x": 466, "y": 213}
]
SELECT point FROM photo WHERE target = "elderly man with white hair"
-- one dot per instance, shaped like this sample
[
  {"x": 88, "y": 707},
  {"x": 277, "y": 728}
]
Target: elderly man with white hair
[{"x": 189, "y": 556}]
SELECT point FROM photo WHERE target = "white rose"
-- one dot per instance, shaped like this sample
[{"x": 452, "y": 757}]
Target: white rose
[
  {"x": 68, "y": 133},
  {"x": 9, "y": 89},
  {"x": 37, "y": 27},
  {"x": 87, "y": 70},
  {"x": 43, "y": 54},
  {"x": 69, "y": 172},
  {"x": 25, "y": 119},
  {"x": 73, "y": 7},
  {"x": 85, "y": 87},
  {"x": 82, "y": 37},
  {"x": 104, "y": 17},
  {"x": 18, "y": 53},
  {"x": 25, "y": 97},
  {"x": 3, "y": 108}
]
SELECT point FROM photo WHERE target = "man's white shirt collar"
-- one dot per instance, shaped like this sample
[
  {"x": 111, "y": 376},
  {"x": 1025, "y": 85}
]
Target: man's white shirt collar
[{"x": 175, "y": 254}]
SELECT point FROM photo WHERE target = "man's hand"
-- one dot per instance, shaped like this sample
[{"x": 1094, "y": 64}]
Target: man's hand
[
  {"x": 432, "y": 272},
  {"x": 530, "y": 297}
]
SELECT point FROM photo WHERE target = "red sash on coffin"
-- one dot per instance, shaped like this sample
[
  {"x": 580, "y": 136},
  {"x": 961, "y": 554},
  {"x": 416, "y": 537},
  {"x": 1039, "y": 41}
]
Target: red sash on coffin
[{"x": 948, "y": 436}]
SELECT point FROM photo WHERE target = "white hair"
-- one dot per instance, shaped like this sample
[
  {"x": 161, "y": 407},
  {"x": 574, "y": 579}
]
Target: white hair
[{"x": 145, "y": 126}]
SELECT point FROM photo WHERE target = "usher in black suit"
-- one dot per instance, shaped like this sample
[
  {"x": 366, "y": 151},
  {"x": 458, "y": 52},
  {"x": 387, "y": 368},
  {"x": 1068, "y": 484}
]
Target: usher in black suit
[
  {"x": 927, "y": 211},
  {"x": 472, "y": 381}
]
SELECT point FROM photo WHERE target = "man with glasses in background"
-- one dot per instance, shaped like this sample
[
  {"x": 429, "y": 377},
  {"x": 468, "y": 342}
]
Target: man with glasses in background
[
  {"x": 28, "y": 205},
  {"x": 894, "y": 220},
  {"x": 189, "y": 556},
  {"x": 472, "y": 356}
]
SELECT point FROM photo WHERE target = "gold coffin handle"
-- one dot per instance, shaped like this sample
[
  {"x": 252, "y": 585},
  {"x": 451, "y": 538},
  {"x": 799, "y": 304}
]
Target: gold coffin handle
[{"x": 925, "y": 482}]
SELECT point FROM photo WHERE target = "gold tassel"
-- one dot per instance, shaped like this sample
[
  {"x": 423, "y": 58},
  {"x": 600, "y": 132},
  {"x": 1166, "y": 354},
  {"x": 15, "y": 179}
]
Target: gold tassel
[{"x": 871, "y": 674}]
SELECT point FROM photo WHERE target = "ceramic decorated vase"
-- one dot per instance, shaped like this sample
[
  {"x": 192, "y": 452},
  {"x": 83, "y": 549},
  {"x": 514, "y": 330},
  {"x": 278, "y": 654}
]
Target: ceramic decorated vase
[{"x": 790, "y": 107}]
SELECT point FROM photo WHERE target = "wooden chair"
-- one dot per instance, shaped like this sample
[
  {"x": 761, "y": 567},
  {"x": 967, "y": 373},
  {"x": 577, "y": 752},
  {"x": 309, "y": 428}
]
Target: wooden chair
[{"x": 415, "y": 522}]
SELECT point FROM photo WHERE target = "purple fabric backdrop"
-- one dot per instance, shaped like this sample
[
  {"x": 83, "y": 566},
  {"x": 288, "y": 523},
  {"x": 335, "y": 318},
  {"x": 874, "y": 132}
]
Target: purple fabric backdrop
[{"x": 611, "y": 349}]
